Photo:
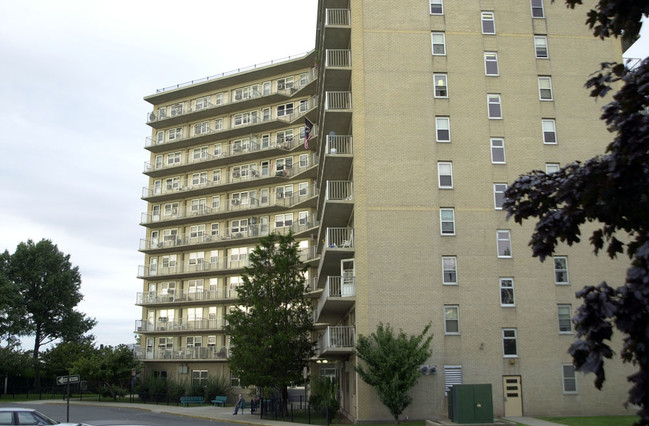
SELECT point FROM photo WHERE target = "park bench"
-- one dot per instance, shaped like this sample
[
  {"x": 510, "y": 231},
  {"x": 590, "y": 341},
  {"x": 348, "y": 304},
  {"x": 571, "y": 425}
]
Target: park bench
[
  {"x": 220, "y": 400},
  {"x": 186, "y": 400}
]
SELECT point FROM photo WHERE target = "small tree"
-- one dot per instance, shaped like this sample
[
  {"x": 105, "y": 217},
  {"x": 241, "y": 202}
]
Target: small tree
[
  {"x": 48, "y": 288},
  {"x": 110, "y": 367},
  {"x": 271, "y": 324},
  {"x": 392, "y": 364}
]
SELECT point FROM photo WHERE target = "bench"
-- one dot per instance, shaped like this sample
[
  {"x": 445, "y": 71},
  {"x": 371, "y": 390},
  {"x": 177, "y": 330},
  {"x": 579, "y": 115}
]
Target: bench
[
  {"x": 219, "y": 400},
  {"x": 186, "y": 400}
]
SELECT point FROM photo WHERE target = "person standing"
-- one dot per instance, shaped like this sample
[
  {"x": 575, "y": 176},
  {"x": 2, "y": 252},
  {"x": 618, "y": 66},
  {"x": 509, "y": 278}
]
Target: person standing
[{"x": 240, "y": 404}]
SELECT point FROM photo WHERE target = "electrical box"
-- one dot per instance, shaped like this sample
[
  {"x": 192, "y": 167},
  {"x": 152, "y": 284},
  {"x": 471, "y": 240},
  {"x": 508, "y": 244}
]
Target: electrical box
[{"x": 471, "y": 404}]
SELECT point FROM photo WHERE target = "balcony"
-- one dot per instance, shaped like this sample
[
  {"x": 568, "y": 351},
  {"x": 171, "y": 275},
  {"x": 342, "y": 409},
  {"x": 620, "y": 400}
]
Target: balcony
[
  {"x": 231, "y": 126},
  {"x": 178, "y": 325},
  {"x": 337, "y": 298},
  {"x": 303, "y": 198},
  {"x": 337, "y": 161},
  {"x": 336, "y": 341},
  {"x": 337, "y": 29},
  {"x": 338, "y": 245},
  {"x": 236, "y": 178},
  {"x": 337, "y": 69},
  {"x": 338, "y": 202},
  {"x": 233, "y": 235},
  {"x": 201, "y": 296},
  {"x": 188, "y": 270},
  {"x": 190, "y": 353},
  {"x": 224, "y": 103},
  {"x": 253, "y": 149}
]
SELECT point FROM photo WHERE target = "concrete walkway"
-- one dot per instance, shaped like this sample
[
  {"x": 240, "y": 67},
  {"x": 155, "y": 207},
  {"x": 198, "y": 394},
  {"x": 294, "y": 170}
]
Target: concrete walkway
[{"x": 531, "y": 421}]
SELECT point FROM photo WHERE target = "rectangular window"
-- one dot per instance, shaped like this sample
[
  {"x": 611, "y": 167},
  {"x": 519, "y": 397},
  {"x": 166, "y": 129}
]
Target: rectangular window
[
  {"x": 560, "y": 269},
  {"x": 504, "y": 243},
  {"x": 541, "y": 47},
  {"x": 447, "y": 221},
  {"x": 445, "y": 175},
  {"x": 452, "y": 319},
  {"x": 286, "y": 109},
  {"x": 441, "y": 85},
  {"x": 439, "y": 44},
  {"x": 552, "y": 167},
  {"x": 545, "y": 88},
  {"x": 509, "y": 343},
  {"x": 443, "y": 129},
  {"x": 494, "y": 107},
  {"x": 491, "y": 63},
  {"x": 174, "y": 134},
  {"x": 549, "y": 131},
  {"x": 201, "y": 128},
  {"x": 497, "y": 150},
  {"x": 436, "y": 7},
  {"x": 283, "y": 220},
  {"x": 507, "y": 292},
  {"x": 537, "y": 9},
  {"x": 199, "y": 377},
  {"x": 488, "y": 23},
  {"x": 569, "y": 378},
  {"x": 449, "y": 270},
  {"x": 499, "y": 195},
  {"x": 564, "y": 313}
]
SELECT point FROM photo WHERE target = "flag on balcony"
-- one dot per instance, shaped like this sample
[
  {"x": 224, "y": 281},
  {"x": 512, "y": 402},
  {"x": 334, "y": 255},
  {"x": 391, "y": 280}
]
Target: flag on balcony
[{"x": 308, "y": 132}]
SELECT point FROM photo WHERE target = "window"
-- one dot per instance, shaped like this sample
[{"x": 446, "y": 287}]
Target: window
[
  {"x": 537, "y": 9},
  {"x": 202, "y": 128},
  {"x": 441, "y": 85},
  {"x": 504, "y": 243},
  {"x": 445, "y": 175},
  {"x": 488, "y": 23},
  {"x": 447, "y": 221},
  {"x": 541, "y": 47},
  {"x": 494, "y": 107},
  {"x": 439, "y": 45},
  {"x": 283, "y": 220},
  {"x": 200, "y": 153},
  {"x": 569, "y": 378},
  {"x": 199, "y": 377},
  {"x": 491, "y": 63},
  {"x": 551, "y": 167},
  {"x": 497, "y": 151},
  {"x": 285, "y": 83},
  {"x": 436, "y": 7},
  {"x": 549, "y": 131},
  {"x": 452, "y": 319},
  {"x": 443, "y": 129},
  {"x": 449, "y": 270},
  {"x": 286, "y": 109},
  {"x": 509, "y": 343},
  {"x": 560, "y": 270},
  {"x": 545, "y": 88},
  {"x": 202, "y": 103},
  {"x": 507, "y": 292},
  {"x": 564, "y": 313},
  {"x": 499, "y": 195},
  {"x": 173, "y": 134},
  {"x": 218, "y": 124},
  {"x": 174, "y": 159}
]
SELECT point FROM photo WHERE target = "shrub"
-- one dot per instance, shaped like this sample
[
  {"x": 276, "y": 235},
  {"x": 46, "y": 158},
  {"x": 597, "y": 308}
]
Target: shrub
[{"x": 323, "y": 397}]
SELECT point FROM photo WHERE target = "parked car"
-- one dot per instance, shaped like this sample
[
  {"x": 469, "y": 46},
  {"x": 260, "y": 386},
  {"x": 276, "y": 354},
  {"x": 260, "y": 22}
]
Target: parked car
[{"x": 27, "y": 416}]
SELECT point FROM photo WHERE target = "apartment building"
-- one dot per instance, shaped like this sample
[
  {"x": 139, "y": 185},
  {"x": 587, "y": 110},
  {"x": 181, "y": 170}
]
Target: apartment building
[
  {"x": 424, "y": 112},
  {"x": 228, "y": 165}
]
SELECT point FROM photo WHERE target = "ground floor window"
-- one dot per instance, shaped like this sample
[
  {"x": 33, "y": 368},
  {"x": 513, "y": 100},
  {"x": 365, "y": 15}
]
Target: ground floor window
[{"x": 199, "y": 377}]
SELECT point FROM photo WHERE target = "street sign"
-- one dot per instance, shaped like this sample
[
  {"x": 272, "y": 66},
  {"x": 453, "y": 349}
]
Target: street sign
[{"x": 66, "y": 380}]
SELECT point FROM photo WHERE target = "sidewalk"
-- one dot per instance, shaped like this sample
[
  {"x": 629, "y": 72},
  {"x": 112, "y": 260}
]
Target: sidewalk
[
  {"x": 207, "y": 412},
  {"x": 530, "y": 421}
]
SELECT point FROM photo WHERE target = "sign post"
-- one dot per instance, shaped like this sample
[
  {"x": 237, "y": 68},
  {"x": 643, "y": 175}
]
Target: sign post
[{"x": 68, "y": 380}]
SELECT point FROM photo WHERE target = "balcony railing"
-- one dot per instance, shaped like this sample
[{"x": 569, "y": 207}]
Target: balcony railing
[
  {"x": 233, "y": 233},
  {"x": 340, "y": 238},
  {"x": 233, "y": 205},
  {"x": 146, "y": 271},
  {"x": 336, "y": 287},
  {"x": 337, "y": 17},
  {"x": 153, "y": 298},
  {"x": 337, "y": 100},
  {"x": 161, "y": 353},
  {"x": 339, "y": 144},
  {"x": 234, "y": 176},
  {"x": 340, "y": 190},
  {"x": 336, "y": 337},
  {"x": 338, "y": 58},
  {"x": 144, "y": 326}
]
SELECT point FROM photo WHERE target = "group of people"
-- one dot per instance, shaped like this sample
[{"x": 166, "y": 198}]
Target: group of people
[{"x": 241, "y": 403}]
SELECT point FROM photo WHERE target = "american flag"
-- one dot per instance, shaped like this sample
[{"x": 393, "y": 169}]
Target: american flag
[{"x": 308, "y": 132}]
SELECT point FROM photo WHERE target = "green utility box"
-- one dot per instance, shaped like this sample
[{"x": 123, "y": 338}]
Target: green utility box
[{"x": 471, "y": 404}]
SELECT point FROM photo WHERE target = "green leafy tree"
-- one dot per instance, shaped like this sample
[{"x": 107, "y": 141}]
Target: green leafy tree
[
  {"x": 324, "y": 396},
  {"x": 611, "y": 191},
  {"x": 48, "y": 289},
  {"x": 14, "y": 362},
  {"x": 271, "y": 324},
  {"x": 391, "y": 364},
  {"x": 110, "y": 367},
  {"x": 58, "y": 360},
  {"x": 12, "y": 318}
]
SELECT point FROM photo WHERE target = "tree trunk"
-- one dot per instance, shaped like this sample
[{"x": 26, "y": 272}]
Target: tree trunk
[
  {"x": 37, "y": 364},
  {"x": 284, "y": 401}
]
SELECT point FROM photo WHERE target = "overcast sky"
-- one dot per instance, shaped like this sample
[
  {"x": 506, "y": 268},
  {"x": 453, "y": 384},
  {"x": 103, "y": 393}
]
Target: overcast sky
[{"x": 72, "y": 120}]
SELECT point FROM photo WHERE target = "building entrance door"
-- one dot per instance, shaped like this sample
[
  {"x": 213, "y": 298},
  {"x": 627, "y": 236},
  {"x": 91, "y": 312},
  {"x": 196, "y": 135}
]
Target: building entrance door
[{"x": 513, "y": 395}]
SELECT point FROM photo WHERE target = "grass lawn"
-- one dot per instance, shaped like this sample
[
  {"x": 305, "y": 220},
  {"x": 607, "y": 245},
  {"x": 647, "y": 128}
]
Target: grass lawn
[{"x": 593, "y": 421}]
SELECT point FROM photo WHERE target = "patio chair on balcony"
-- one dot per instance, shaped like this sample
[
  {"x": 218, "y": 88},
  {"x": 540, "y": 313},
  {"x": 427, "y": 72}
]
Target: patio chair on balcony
[{"x": 346, "y": 244}]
